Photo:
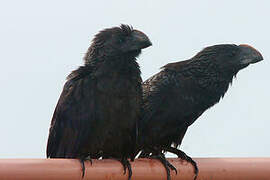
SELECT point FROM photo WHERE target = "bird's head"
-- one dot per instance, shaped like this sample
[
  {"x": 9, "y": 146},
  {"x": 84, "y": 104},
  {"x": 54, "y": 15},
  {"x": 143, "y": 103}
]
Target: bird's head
[
  {"x": 117, "y": 41},
  {"x": 230, "y": 57}
]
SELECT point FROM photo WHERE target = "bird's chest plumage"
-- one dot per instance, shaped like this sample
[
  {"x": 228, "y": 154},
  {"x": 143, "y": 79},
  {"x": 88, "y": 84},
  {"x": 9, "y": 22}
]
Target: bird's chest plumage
[
  {"x": 117, "y": 84},
  {"x": 118, "y": 100},
  {"x": 119, "y": 93}
]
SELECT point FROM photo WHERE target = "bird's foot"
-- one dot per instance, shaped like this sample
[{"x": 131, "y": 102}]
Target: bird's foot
[
  {"x": 167, "y": 165},
  {"x": 126, "y": 165},
  {"x": 183, "y": 156},
  {"x": 82, "y": 159}
]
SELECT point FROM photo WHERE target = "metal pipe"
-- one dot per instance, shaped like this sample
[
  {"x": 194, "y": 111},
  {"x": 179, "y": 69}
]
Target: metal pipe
[{"x": 143, "y": 169}]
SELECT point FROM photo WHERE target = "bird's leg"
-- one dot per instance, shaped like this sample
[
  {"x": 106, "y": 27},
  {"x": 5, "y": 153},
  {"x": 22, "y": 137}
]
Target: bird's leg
[
  {"x": 83, "y": 166},
  {"x": 88, "y": 158},
  {"x": 183, "y": 156},
  {"x": 162, "y": 155},
  {"x": 163, "y": 158},
  {"x": 126, "y": 165},
  {"x": 82, "y": 159},
  {"x": 167, "y": 165}
]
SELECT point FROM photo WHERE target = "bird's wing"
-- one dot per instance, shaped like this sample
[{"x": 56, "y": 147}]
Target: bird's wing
[
  {"x": 159, "y": 87},
  {"x": 154, "y": 93},
  {"x": 72, "y": 117},
  {"x": 168, "y": 102}
]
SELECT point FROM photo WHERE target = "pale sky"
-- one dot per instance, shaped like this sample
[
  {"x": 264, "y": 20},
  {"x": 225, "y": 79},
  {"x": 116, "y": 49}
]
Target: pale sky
[{"x": 42, "y": 41}]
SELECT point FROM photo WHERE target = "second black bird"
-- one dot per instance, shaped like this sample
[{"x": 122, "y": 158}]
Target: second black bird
[{"x": 175, "y": 97}]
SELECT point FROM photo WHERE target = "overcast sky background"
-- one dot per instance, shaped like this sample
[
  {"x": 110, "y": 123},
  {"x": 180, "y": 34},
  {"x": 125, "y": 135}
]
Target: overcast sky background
[{"x": 42, "y": 41}]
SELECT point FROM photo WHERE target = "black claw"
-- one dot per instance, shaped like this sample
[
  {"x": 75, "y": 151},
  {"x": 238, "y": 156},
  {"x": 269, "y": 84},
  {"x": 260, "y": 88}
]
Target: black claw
[
  {"x": 87, "y": 158},
  {"x": 168, "y": 172},
  {"x": 129, "y": 171},
  {"x": 172, "y": 167},
  {"x": 83, "y": 167},
  {"x": 126, "y": 165},
  {"x": 167, "y": 165},
  {"x": 183, "y": 156},
  {"x": 191, "y": 161},
  {"x": 196, "y": 170}
]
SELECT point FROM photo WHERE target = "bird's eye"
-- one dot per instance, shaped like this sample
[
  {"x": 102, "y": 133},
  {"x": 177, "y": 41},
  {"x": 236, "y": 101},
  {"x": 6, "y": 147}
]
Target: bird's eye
[{"x": 232, "y": 54}]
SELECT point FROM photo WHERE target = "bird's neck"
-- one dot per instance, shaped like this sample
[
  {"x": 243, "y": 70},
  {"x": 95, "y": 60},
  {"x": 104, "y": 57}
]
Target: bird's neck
[
  {"x": 210, "y": 81},
  {"x": 214, "y": 84},
  {"x": 124, "y": 64}
]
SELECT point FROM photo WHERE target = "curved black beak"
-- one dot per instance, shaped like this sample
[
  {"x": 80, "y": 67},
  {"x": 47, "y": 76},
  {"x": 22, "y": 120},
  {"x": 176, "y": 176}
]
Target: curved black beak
[
  {"x": 138, "y": 41},
  {"x": 141, "y": 39},
  {"x": 249, "y": 55}
]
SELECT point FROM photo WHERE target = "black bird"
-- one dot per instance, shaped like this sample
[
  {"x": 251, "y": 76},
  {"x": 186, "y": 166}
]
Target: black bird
[
  {"x": 101, "y": 101},
  {"x": 176, "y": 96}
]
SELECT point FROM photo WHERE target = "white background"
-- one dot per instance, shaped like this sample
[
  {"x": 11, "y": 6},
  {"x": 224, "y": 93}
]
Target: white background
[{"x": 42, "y": 41}]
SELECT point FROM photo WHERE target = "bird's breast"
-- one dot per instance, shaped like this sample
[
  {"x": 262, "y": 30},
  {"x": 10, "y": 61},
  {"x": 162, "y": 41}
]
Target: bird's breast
[{"x": 118, "y": 85}]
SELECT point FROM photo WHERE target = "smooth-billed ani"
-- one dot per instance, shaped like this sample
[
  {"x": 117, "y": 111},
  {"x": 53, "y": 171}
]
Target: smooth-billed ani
[
  {"x": 176, "y": 96},
  {"x": 100, "y": 104}
]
